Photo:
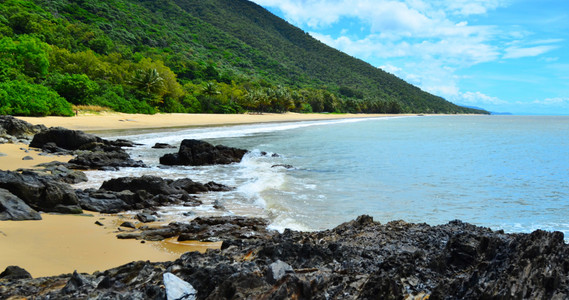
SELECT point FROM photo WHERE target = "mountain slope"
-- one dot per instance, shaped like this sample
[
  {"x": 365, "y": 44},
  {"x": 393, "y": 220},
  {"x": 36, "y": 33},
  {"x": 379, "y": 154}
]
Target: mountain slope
[
  {"x": 299, "y": 54},
  {"x": 222, "y": 56}
]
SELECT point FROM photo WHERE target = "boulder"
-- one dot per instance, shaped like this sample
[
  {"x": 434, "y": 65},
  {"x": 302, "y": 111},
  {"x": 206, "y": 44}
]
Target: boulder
[
  {"x": 15, "y": 209},
  {"x": 10, "y": 126},
  {"x": 15, "y": 272},
  {"x": 63, "y": 138},
  {"x": 163, "y": 146},
  {"x": 42, "y": 193},
  {"x": 104, "y": 160},
  {"x": 200, "y": 153}
]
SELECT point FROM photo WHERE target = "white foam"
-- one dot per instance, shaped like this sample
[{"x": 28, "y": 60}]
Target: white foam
[{"x": 174, "y": 137}]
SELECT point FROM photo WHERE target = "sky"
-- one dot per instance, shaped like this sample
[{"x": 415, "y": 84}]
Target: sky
[{"x": 500, "y": 55}]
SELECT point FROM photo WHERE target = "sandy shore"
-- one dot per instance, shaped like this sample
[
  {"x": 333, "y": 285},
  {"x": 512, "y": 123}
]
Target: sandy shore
[
  {"x": 60, "y": 244},
  {"x": 12, "y": 157},
  {"x": 120, "y": 121},
  {"x": 64, "y": 243}
]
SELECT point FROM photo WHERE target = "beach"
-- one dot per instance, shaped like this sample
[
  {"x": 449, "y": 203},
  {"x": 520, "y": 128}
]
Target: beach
[
  {"x": 65, "y": 243},
  {"x": 120, "y": 121}
]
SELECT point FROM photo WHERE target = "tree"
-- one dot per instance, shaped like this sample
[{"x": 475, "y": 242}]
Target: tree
[{"x": 148, "y": 81}]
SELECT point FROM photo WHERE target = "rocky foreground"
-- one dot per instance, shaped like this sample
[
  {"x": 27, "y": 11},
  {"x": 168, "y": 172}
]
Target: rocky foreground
[{"x": 359, "y": 259}]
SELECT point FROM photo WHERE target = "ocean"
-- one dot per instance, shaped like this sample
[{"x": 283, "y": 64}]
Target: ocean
[{"x": 502, "y": 172}]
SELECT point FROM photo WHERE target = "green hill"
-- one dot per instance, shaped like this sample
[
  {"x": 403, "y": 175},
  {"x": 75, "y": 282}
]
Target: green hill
[{"x": 223, "y": 56}]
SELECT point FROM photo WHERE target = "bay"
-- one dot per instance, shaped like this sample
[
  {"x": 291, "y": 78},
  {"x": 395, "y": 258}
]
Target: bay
[{"x": 502, "y": 172}]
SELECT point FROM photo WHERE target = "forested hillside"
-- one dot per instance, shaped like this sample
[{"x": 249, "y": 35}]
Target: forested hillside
[{"x": 222, "y": 56}]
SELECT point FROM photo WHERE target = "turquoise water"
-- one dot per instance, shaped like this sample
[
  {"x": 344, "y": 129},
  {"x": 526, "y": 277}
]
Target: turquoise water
[{"x": 503, "y": 172}]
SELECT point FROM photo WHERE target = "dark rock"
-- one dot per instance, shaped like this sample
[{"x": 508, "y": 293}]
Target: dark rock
[
  {"x": 151, "y": 184},
  {"x": 282, "y": 166},
  {"x": 63, "y": 138},
  {"x": 128, "y": 225},
  {"x": 163, "y": 146},
  {"x": 11, "y": 126},
  {"x": 99, "y": 223},
  {"x": 15, "y": 209},
  {"x": 76, "y": 283},
  {"x": 146, "y": 218},
  {"x": 199, "y": 153},
  {"x": 15, "y": 272},
  {"x": 27, "y": 158},
  {"x": 42, "y": 193},
  {"x": 101, "y": 160},
  {"x": 360, "y": 259}
]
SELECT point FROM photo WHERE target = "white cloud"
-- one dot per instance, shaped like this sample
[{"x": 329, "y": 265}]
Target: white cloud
[
  {"x": 518, "y": 52},
  {"x": 553, "y": 102},
  {"x": 479, "y": 99}
]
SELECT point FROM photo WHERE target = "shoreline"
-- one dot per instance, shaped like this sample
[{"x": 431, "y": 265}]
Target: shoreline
[
  {"x": 121, "y": 121},
  {"x": 75, "y": 242}
]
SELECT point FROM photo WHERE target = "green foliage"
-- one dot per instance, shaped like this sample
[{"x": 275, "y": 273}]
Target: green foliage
[
  {"x": 28, "y": 99},
  {"x": 78, "y": 89},
  {"x": 217, "y": 56}
]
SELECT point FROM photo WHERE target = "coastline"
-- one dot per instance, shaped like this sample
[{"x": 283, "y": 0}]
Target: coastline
[
  {"x": 121, "y": 121},
  {"x": 71, "y": 242}
]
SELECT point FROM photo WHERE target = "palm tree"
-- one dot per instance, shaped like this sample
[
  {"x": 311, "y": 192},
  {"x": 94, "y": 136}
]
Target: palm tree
[{"x": 149, "y": 81}]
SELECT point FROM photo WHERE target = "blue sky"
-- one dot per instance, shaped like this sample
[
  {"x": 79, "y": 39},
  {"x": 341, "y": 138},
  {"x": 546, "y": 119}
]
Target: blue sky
[{"x": 501, "y": 55}]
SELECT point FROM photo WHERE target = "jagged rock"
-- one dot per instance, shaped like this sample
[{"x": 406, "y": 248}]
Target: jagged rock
[
  {"x": 277, "y": 270},
  {"x": 146, "y": 218},
  {"x": 60, "y": 171},
  {"x": 10, "y": 126},
  {"x": 128, "y": 193},
  {"x": 199, "y": 153},
  {"x": 15, "y": 209},
  {"x": 177, "y": 289},
  {"x": 105, "y": 160},
  {"x": 15, "y": 272},
  {"x": 360, "y": 259},
  {"x": 76, "y": 283},
  {"x": 42, "y": 193}
]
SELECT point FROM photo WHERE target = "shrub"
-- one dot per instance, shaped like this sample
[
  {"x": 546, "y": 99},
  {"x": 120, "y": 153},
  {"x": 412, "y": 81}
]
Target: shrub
[{"x": 26, "y": 99}]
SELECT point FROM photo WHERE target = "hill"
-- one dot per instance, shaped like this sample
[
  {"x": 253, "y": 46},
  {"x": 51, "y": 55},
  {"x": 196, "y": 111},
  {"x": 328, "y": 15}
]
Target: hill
[{"x": 223, "y": 56}]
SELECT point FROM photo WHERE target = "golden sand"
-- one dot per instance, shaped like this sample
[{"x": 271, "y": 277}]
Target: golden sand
[
  {"x": 60, "y": 244},
  {"x": 121, "y": 121},
  {"x": 14, "y": 154}
]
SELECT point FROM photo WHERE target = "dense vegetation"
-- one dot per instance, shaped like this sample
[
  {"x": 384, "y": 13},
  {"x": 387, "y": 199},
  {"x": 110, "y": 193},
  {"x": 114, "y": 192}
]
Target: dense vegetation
[{"x": 213, "y": 56}]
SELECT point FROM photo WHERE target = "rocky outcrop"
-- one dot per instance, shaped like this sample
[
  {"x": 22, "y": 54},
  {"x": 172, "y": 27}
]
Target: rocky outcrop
[
  {"x": 111, "y": 160},
  {"x": 63, "y": 138},
  {"x": 92, "y": 152},
  {"x": 15, "y": 209},
  {"x": 40, "y": 192},
  {"x": 12, "y": 129},
  {"x": 231, "y": 230},
  {"x": 128, "y": 193},
  {"x": 361, "y": 259},
  {"x": 200, "y": 153}
]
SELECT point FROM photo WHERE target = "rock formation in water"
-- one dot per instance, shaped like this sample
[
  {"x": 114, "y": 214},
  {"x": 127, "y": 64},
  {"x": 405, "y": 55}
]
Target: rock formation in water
[{"x": 200, "y": 153}]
